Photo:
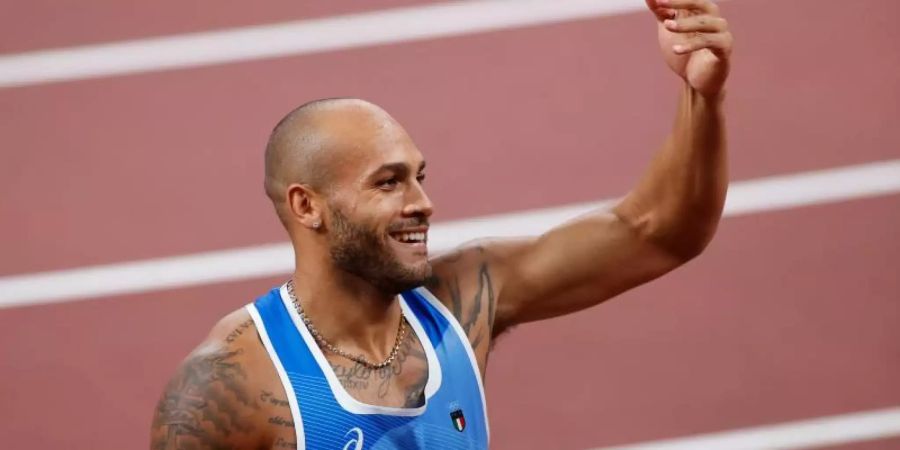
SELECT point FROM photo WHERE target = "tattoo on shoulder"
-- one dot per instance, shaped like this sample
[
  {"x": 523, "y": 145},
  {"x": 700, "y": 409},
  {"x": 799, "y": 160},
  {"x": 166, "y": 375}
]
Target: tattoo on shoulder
[
  {"x": 468, "y": 309},
  {"x": 237, "y": 332},
  {"x": 205, "y": 405}
]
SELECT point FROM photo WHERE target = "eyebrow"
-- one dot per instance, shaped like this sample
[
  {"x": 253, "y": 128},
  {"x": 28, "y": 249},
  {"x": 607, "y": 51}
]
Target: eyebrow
[{"x": 397, "y": 167}]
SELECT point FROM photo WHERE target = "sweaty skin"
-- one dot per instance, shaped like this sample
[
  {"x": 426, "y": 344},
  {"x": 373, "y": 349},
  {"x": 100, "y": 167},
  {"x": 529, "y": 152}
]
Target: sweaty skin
[{"x": 346, "y": 181}]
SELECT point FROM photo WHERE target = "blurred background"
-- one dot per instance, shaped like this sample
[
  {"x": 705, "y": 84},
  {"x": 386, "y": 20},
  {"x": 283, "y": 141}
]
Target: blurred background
[{"x": 133, "y": 214}]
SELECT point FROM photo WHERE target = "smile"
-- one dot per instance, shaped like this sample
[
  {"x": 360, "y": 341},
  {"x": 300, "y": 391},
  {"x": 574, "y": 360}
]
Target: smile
[{"x": 411, "y": 237}]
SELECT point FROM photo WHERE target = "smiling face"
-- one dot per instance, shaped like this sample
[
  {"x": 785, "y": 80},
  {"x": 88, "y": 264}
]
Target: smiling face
[{"x": 376, "y": 214}]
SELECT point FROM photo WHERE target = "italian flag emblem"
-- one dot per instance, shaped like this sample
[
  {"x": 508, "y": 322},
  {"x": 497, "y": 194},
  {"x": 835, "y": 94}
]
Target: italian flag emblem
[{"x": 459, "y": 420}]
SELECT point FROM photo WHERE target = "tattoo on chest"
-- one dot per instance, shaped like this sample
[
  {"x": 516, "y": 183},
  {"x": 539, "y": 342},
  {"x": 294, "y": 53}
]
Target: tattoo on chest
[{"x": 357, "y": 377}]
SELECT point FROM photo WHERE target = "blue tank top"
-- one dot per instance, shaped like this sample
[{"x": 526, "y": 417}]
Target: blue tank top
[{"x": 325, "y": 416}]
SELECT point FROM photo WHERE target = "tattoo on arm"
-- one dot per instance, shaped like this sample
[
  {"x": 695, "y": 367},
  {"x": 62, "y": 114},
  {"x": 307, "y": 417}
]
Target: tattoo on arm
[
  {"x": 284, "y": 443},
  {"x": 281, "y": 421},
  {"x": 206, "y": 405},
  {"x": 486, "y": 289},
  {"x": 270, "y": 398}
]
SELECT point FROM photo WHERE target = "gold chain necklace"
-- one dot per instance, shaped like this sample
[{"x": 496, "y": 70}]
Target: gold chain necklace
[{"x": 401, "y": 335}]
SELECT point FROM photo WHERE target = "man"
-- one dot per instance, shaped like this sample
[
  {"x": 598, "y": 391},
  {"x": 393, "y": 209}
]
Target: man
[{"x": 335, "y": 358}]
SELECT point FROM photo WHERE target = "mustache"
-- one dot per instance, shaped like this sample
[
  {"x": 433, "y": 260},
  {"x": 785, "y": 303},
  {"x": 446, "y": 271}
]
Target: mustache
[{"x": 410, "y": 223}]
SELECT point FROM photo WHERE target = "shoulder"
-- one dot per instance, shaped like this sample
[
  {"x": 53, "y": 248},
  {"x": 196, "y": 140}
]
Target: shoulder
[
  {"x": 236, "y": 328},
  {"x": 456, "y": 273},
  {"x": 476, "y": 270},
  {"x": 468, "y": 280},
  {"x": 491, "y": 257},
  {"x": 214, "y": 399}
]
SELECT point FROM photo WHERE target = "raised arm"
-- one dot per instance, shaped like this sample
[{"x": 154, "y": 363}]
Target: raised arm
[{"x": 667, "y": 219}]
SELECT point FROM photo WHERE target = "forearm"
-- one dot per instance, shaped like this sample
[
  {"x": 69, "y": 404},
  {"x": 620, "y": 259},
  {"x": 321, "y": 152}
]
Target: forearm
[{"x": 678, "y": 202}]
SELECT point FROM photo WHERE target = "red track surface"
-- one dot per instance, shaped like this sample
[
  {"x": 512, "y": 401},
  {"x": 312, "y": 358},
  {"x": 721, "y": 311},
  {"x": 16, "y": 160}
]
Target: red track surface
[
  {"x": 789, "y": 315},
  {"x": 100, "y": 21}
]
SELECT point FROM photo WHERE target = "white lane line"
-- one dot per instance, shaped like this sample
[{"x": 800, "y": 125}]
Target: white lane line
[
  {"x": 803, "y": 434},
  {"x": 388, "y": 26},
  {"x": 744, "y": 197}
]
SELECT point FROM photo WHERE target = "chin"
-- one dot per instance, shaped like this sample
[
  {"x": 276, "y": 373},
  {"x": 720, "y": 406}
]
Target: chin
[
  {"x": 414, "y": 275},
  {"x": 413, "y": 266},
  {"x": 422, "y": 270}
]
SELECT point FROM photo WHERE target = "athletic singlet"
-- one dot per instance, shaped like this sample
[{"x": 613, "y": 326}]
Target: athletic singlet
[{"x": 327, "y": 417}]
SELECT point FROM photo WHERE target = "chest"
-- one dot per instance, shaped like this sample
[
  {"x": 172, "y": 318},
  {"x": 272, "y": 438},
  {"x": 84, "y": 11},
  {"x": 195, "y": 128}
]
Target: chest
[
  {"x": 429, "y": 396},
  {"x": 399, "y": 385}
]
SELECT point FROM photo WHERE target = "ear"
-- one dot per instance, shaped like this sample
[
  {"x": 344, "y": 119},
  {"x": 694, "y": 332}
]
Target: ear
[{"x": 305, "y": 206}]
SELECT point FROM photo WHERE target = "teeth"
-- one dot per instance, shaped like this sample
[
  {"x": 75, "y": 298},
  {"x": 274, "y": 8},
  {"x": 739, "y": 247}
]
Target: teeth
[{"x": 411, "y": 237}]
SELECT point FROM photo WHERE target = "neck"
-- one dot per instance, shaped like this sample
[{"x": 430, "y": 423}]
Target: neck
[{"x": 349, "y": 312}]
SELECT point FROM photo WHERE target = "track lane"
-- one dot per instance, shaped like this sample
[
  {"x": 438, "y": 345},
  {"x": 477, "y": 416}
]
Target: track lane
[
  {"x": 792, "y": 325},
  {"x": 95, "y": 370},
  {"x": 830, "y": 101},
  {"x": 788, "y": 316},
  {"x": 189, "y": 150},
  {"x": 878, "y": 444},
  {"x": 96, "y": 21}
]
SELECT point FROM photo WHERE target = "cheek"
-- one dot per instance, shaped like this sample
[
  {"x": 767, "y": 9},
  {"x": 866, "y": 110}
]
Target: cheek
[
  {"x": 379, "y": 213},
  {"x": 371, "y": 222},
  {"x": 356, "y": 208}
]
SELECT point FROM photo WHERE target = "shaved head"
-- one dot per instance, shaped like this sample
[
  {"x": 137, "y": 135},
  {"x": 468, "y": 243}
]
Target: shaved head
[
  {"x": 310, "y": 142},
  {"x": 346, "y": 180}
]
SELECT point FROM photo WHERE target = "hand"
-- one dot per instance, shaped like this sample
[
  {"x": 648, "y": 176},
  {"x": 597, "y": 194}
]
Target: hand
[{"x": 695, "y": 42}]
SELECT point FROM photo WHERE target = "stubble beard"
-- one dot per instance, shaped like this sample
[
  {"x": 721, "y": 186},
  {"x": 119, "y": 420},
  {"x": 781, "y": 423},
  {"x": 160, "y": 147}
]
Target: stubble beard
[{"x": 361, "y": 251}]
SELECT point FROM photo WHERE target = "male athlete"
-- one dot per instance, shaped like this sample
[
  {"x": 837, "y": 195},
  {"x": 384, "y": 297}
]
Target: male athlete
[{"x": 371, "y": 344}]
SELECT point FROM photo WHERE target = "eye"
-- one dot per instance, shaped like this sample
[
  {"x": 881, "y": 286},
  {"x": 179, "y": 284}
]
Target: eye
[
  {"x": 421, "y": 178},
  {"x": 388, "y": 184}
]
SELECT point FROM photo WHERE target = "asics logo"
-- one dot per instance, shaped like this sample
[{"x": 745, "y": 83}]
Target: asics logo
[{"x": 356, "y": 443}]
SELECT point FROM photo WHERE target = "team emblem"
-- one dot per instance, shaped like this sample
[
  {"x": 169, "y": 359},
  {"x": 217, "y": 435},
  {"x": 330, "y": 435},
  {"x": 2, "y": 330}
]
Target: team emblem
[{"x": 459, "y": 420}]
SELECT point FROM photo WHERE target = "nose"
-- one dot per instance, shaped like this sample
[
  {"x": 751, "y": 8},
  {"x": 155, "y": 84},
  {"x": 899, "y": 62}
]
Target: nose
[{"x": 418, "y": 203}]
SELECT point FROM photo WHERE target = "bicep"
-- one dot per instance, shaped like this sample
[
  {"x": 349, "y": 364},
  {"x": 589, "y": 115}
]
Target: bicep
[
  {"x": 491, "y": 285},
  {"x": 572, "y": 267},
  {"x": 208, "y": 403}
]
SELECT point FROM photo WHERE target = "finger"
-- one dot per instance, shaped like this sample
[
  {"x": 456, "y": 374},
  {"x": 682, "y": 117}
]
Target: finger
[
  {"x": 660, "y": 12},
  {"x": 699, "y": 24},
  {"x": 706, "y": 6},
  {"x": 718, "y": 43}
]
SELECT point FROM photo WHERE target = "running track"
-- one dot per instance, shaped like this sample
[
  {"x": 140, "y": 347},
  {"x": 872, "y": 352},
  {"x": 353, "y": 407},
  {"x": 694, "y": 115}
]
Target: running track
[{"x": 791, "y": 314}]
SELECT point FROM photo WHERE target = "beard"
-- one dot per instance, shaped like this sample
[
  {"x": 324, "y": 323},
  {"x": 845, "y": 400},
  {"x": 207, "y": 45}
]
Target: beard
[{"x": 363, "y": 252}]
